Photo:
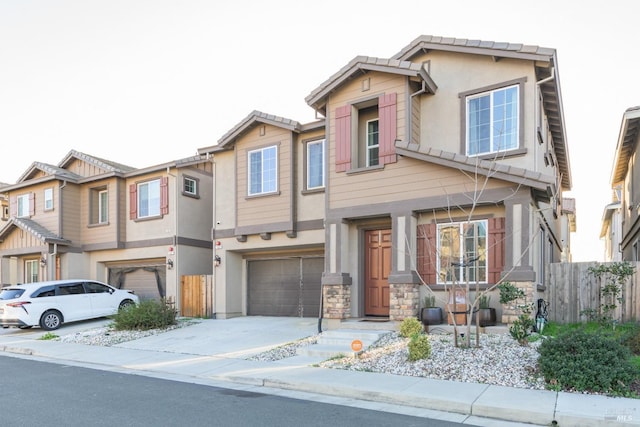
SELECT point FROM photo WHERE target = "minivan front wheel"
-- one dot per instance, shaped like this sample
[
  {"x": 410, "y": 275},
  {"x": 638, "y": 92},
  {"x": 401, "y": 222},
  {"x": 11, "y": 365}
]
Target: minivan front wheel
[
  {"x": 51, "y": 320},
  {"x": 126, "y": 304}
]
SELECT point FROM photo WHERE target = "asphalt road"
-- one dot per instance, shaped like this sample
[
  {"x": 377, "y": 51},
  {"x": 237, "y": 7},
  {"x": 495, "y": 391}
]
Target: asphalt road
[{"x": 49, "y": 394}]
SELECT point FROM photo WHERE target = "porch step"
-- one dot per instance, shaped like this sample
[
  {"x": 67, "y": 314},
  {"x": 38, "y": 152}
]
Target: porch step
[{"x": 337, "y": 342}]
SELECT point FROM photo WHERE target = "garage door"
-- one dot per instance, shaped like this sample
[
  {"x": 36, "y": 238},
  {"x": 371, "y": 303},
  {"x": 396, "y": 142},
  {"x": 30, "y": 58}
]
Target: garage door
[
  {"x": 147, "y": 281},
  {"x": 285, "y": 287}
]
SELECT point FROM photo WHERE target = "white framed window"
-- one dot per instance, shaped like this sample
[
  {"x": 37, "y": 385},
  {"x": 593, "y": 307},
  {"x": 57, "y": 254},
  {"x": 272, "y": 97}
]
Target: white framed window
[
  {"x": 315, "y": 164},
  {"x": 493, "y": 121},
  {"x": 48, "y": 199},
  {"x": 190, "y": 186},
  {"x": 149, "y": 199},
  {"x": 462, "y": 252},
  {"x": 31, "y": 270},
  {"x": 24, "y": 208},
  {"x": 103, "y": 207},
  {"x": 263, "y": 171},
  {"x": 373, "y": 144}
]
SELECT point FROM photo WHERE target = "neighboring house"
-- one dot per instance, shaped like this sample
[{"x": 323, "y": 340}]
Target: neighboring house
[
  {"x": 4, "y": 205},
  {"x": 93, "y": 218},
  {"x": 625, "y": 181},
  {"x": 450, "y": 150},
  {"x": 269, "y": 204},
  {"x": 611, "y": 230}
]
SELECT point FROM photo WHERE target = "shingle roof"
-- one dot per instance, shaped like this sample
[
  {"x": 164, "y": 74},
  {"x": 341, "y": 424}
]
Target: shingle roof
[
  {"x": 317, "y": 98},
  {"x": 473, "y": 164},
  {"x": 107, "y": 165},
  {"x": 626, "y": 146},
  {"x": 50, "y": 170},
  {"x": 481, "y": 47},
  {"x": 37, "y": 230},
  {"x": 248, "y": 123}
]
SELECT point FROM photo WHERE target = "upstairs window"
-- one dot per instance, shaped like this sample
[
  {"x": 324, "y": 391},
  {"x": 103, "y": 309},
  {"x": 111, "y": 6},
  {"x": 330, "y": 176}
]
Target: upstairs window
[
  {"x": 149, "y": 199},
  {"x": 103, "y": 207},
  {"x": 99, "y": 205},
  {"x": 492, "y": 121},
  {"x": 315, "y": 164},
  {"x": 48, "y": 199},
  {"x": 25, "y": 205},
  {"x": 190, "y": 186},
  {"x": 263, "y": 171},
  {"x": 374, "y": 123},
  {"x": 373, "y": 145},
  {"x": 462, "y": 252}
]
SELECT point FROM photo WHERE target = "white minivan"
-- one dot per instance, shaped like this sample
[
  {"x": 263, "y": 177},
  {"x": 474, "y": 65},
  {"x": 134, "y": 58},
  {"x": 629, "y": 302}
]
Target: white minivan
[{"x": 49, "y": 304}]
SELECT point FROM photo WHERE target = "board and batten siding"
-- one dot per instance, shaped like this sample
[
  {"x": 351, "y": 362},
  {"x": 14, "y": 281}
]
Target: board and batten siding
[
  {"x": 267, "y": 209},
  {"x": 22, "y": 240},
  {"x": 85, "y": 169}
]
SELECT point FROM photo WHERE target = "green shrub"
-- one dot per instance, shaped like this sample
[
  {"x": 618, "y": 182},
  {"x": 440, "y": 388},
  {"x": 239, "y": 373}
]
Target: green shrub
[
  {"x": 419, "y": 347},
  {"x": 409, "y": 327},
  {"x": 149, "y": 314},
  {"x": 587, "y": 361}
]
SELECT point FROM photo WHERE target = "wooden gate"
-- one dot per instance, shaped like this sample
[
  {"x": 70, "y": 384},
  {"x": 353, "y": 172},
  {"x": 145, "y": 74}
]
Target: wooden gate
[{"x": 196, "y": 296}]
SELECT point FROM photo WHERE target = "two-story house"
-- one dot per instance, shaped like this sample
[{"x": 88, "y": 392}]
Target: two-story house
[
  {"x": 268, "y": 215},
  {"x": 446, "y": 162},
  {"x": 621, "y": 219},
  {"x": 93, "y": 218}
]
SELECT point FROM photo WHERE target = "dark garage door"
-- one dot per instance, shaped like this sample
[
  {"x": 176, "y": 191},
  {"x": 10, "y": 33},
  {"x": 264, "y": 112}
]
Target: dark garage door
[{"x": 285, "y": 287}]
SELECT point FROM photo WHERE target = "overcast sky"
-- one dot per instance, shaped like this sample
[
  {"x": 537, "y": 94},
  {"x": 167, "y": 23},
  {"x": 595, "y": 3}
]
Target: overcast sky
[{"x": 143, "y": 82}]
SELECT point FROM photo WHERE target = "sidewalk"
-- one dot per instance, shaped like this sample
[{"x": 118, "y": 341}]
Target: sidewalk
[{"x": 215, "y": 351}]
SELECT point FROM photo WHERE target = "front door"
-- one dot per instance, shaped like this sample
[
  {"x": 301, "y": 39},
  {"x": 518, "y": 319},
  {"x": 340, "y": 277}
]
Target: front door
[{"x": 377, "y": 266}]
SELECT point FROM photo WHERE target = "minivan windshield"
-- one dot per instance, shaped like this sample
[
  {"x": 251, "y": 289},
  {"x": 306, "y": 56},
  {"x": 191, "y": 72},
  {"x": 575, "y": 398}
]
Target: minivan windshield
[{"x": 11, "y": 293}]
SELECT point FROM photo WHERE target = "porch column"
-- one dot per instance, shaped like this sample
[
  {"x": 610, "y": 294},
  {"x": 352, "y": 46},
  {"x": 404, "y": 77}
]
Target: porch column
[
  {"x": 404, "y": 282},
  {"x": 517, "y": 265},
  {"x": 336, "y": 285}
]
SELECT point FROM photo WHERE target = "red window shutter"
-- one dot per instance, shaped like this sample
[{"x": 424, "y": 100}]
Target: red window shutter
[
  {"x": 496, "y": 249},
  {"x": 133, "y": 201},
  {"x": 388, "y": 128},
  {"x": 427, "y": 253},
  {"x": 32, "y": 204},
  {"x": 164, "y": 195},
  {"x": 343, "y": 138}
]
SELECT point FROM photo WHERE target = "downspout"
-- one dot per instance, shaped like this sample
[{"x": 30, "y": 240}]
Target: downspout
[
  {"x": 54, "y": 255},
  {"x": 537, "y": 108},
  {"x": 214, "y": 226},
  {"x": 175, "y": 241}
]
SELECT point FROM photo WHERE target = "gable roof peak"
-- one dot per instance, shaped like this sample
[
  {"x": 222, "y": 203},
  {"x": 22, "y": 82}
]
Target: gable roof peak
[
  {"x": 107, "y": 165},
  {"x": 482, "y": 47}
]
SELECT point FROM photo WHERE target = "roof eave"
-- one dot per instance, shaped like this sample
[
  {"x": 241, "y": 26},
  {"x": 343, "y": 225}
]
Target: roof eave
[{"x": 624, "y": 146}]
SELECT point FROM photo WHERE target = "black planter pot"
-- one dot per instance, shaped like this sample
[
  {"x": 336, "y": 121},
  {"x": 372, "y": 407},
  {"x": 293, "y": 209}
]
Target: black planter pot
[
  {"x": 486, "y": 316},
  {"x": 431, "y": 315}
]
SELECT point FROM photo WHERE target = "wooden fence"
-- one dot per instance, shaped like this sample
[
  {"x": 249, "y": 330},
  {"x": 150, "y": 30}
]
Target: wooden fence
[
  {"x": 196, "y": 296},
  {"x": 572, "y": 289}
]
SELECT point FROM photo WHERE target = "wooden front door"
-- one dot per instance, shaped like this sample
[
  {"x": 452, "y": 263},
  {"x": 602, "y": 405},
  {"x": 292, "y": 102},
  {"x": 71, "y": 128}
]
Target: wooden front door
[{"x": 377, "y": 266}]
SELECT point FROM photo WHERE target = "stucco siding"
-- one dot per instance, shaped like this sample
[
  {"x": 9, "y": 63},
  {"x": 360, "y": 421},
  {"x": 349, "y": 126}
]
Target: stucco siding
[
  {"x": 154, "y": 227},
  {"x": 442, "y": 115}
]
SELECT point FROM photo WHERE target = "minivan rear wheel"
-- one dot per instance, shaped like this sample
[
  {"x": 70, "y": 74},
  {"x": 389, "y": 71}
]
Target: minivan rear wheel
[{"x": 50, "y": 320}]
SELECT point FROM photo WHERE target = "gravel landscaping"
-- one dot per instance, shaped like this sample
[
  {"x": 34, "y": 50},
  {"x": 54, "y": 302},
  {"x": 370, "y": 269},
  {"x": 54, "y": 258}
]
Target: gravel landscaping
[{"x": 499, "y": 360}]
